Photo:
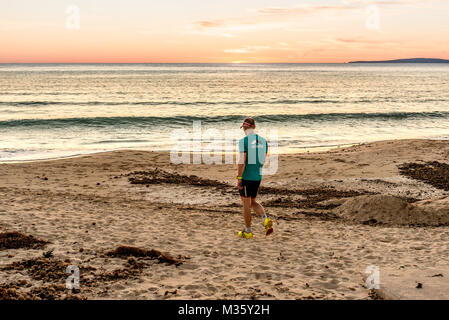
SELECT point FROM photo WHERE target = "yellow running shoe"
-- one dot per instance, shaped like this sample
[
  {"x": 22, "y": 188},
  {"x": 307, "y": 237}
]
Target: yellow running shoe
[
  {"x": 245, "y": 235},
  {"x": 268, "y": 224}
]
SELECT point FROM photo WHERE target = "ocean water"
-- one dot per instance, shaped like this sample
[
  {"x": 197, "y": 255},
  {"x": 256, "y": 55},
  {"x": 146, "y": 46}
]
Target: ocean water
[{"x": 55, "y": 110}]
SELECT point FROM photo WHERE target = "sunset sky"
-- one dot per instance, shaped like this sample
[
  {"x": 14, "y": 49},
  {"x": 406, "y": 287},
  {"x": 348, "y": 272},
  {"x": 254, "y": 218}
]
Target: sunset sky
[{"x": 222, "y": 31}]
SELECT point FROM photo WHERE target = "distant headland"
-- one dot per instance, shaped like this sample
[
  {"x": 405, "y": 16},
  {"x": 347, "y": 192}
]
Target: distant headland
[{"x": 414, "y": 60}]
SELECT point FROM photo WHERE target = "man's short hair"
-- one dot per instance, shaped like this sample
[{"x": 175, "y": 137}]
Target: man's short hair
[{"x": 249, "y": 123}]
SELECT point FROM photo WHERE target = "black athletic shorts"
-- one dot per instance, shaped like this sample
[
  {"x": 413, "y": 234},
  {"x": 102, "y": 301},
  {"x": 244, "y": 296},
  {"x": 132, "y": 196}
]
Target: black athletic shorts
[{"x": 249, "y": 188}]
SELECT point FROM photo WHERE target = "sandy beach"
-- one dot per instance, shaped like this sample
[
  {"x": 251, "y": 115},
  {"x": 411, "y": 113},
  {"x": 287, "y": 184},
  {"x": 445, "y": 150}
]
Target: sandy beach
[{"x": 336, "y": 213}]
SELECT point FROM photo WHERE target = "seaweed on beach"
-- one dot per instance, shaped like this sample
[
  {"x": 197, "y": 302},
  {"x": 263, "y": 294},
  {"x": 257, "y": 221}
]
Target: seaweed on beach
[
  {"x": 313, "y": 195},
  {"x": 13, "y": 291},
  {"x": 158, "y": 176},
  {"x": 9, "y": 291},
  {"x": 133, "y": 267},
  {"x": 12, "y": 294},
  {"x": 45, "y": 269},
  {"x": 313, "y": 199},
  {"x": 52, "y": 272},
  {"x": 41, "y": 268},
  {"x": 53, "y": 292},
  {"x": 323, "y": 216},
  {"x": 131, "y": 270},
  {"x": 16, "y": 240},
  {"x": 126, "y": 251},
  {"x": 434, "y": 173},
  {"x": 373, "y": 295},
  {"x": 324, "y": 193},
  {"x": 17, "y": 290},
  {"x": 288, "y": 202}
]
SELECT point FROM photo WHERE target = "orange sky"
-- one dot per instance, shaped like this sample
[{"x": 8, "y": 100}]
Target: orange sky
[{"x": 218, "y": 31}]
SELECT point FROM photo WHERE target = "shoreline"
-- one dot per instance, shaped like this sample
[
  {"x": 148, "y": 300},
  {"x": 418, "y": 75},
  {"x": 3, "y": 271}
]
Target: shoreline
[
  {"x": 298, "y": 150},
  {"x": 313, "y": 149}
]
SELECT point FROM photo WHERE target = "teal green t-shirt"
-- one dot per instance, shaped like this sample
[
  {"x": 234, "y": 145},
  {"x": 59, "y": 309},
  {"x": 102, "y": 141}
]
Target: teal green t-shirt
[{"x": 256, "y": 149}]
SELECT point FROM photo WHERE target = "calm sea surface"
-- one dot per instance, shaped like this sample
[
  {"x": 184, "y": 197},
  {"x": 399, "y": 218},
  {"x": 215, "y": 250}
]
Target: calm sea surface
[{"x": 54, "y": 110}]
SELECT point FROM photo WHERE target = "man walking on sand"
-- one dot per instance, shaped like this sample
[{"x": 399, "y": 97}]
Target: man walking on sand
[{"x": 252, "y": 149}]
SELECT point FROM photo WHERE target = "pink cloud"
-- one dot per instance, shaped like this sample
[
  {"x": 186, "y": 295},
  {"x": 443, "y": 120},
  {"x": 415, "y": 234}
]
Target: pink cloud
[
  {"x": 302, "y": 9},
  {"x": 209, "y": 23}
]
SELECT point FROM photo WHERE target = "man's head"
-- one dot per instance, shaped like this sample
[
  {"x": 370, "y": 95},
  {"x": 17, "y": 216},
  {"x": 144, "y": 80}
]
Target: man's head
[{"x": 248, "y": 123}]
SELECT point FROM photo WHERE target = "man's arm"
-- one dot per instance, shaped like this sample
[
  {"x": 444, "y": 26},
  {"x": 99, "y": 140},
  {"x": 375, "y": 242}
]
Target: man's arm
[
  {"x": 267, "y": 155},
  {"x": 241, "y": 168}
]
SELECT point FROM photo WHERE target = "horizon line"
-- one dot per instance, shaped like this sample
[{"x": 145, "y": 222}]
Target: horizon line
[
  {"x": 235, "y": 63},
  {"x": 173, "y": 63}
]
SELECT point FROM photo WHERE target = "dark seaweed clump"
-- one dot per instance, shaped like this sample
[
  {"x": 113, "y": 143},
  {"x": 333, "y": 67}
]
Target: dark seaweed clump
[
  {"x": 126, "y": 251},
  {"x": 45, "y": 269},
  {"x": 312, "y": 196},
  {"x": 16, "y": 240},
  {"x": 434, "y": 173},
  {"x": 158, "y": 176},
  {"x": 52, "y": 272}
]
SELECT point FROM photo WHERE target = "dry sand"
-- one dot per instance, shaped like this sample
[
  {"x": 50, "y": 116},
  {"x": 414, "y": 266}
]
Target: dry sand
[
  {"x": 335, "y": 213},
  {"x": 390, "y": 210}
]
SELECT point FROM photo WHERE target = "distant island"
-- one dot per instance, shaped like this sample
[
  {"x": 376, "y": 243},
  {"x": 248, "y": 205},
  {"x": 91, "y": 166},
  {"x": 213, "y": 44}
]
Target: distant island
[{"x": 415, "y": 60}]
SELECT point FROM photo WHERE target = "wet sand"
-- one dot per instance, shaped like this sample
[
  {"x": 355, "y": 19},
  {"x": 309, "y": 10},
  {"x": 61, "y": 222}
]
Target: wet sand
[{"x": 87, "y": 207}]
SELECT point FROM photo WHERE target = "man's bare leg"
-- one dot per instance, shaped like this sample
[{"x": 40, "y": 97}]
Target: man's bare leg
[
  {"x": 257, "y": 207},
  {"x": 260, "y": 210},
  {"x": 247, "y": 211}
]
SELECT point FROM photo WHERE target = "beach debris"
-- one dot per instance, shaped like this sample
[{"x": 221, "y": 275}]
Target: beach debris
[
  {"x": 374, "y": 295},
  {"x": 281, "y": 257},
  {"x": 14, "y": 291},
  {"x": 255, "y": 293},
  {"x": 41, "y": 268},
  {"x": 126, "y": 251},
  {"x": 9, "y": 293},
  {"x": 46, "y": 292},
  {"x": 370, "y": 222},
  {"x": 419, "y": 285},
  {"x": 158, "y": 176},
  {"x": 53, "y": 274},
  {"x": 48, "y": 254},
  {"x": 323, "y": 216},
  {"x": 310, "y": 202},
  {"x": 167, "y": 292},
  {"x": 130, "y": 271},
  {"x": 50, "y": 271},
  {"x": 378, "y": 181},
  {"x": 437, "y": 275},
  {"x": 47, "y": 269},
  {"x": 286, "y": 197},
  {"x": 17, "y": 240},
  {"x": 434, "y": 173}
]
